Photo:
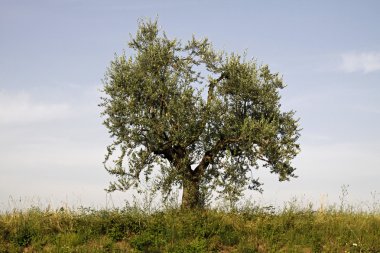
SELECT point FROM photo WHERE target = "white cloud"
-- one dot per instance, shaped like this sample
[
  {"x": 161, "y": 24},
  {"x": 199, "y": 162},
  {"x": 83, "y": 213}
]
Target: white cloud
[
  {"x": 360, "y": 62},
  {"x": 21, "y": 108}
]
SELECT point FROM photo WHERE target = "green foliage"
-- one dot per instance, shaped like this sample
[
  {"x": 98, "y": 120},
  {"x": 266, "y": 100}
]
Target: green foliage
[
  {"x": 24, "y": 235},
  {"x": 158, "y": 114},
  {"x": 248, "y": 229}
]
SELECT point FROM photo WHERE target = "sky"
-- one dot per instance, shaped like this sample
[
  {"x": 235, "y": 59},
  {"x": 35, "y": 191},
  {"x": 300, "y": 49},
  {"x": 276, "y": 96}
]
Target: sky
[{"x": 54, "y": 54}]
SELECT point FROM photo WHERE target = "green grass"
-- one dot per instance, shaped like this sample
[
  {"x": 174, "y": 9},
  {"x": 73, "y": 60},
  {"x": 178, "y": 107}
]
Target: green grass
[{"x": 249, "y": 229}]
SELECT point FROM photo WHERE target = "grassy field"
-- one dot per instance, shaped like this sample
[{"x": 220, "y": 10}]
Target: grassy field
[{"x": 248, "y": 229}]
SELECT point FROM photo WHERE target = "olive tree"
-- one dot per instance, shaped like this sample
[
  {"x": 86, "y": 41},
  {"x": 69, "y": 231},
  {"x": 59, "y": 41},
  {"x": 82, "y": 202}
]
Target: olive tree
[{"x": 186, "y": 115}]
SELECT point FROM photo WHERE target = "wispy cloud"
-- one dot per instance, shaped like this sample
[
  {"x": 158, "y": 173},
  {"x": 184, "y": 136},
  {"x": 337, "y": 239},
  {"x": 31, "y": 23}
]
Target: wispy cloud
[
  {"x": 21, "y": 108},
  {"x": 360, "y": 62}
]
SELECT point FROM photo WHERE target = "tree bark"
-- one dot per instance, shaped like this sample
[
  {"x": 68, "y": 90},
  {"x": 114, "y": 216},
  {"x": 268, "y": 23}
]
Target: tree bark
[{"x": 191, "y": 195}]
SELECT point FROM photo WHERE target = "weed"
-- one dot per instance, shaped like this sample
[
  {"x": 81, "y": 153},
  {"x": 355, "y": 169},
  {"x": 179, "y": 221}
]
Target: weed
[{"x": 248, "y": 229}]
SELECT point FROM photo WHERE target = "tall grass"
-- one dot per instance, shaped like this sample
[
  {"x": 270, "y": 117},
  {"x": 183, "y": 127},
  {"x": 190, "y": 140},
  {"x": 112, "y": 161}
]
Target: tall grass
[{"x": 248, "y": 228}]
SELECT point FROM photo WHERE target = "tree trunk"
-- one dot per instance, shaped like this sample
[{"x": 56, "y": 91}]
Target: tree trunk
[{"x": 191, "y": 196}]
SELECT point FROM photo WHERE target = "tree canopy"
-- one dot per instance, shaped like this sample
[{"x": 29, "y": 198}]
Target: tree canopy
[{"x": 184, "y": 114}]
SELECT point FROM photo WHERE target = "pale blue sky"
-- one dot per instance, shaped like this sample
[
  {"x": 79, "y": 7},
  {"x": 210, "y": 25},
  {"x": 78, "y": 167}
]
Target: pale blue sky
[{"x": 53, "y": 55}]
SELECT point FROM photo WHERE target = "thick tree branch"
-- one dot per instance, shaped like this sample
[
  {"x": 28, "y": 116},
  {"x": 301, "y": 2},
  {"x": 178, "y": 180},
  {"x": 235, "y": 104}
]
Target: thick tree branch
[
  {"x": 210, "y": 96},
  {"x": 165, "y": 152},
  {"x": 209, "y": 155}
]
